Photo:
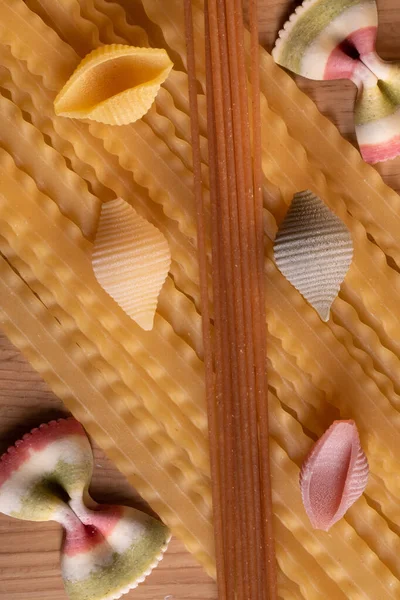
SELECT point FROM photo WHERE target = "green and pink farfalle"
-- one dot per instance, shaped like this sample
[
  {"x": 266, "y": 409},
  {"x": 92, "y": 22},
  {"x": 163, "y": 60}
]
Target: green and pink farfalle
[
  {"x": 335, "y": 39},
  {"x": 107, "y": 550}
]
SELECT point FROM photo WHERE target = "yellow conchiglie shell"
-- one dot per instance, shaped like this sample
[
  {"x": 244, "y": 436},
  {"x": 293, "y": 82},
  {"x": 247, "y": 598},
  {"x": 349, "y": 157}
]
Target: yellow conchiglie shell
[
  {"x": 131, "y": 260},
  {"x": 114, "y": 84}
]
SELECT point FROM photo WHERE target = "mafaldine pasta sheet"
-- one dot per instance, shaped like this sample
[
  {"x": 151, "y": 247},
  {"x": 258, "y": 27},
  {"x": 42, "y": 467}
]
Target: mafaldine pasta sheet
[{"x": 139, "y": 393}]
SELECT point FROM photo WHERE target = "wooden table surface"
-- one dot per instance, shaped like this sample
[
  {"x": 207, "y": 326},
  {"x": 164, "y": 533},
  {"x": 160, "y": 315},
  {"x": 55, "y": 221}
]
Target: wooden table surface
[{"x": 29, "y": 552}]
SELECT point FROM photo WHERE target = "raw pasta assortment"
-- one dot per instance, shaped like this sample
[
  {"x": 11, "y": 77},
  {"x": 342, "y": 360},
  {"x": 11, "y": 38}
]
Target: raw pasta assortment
[{"x": 140, "y": 391}]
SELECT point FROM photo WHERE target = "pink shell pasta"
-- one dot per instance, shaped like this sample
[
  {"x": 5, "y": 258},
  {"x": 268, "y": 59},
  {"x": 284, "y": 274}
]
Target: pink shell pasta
[{"x": 334, "y": 475}]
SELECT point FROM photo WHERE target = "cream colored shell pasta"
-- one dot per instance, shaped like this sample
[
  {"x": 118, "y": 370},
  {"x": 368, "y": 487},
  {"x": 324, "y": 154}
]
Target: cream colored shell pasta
[
  {"x": 313, "y": 250},
  {"x": 131, "y": 260},
  {"x": 115, "y": 84}
]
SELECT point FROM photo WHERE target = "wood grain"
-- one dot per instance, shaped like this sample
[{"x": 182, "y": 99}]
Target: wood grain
[{"x": 29, "y": 552}]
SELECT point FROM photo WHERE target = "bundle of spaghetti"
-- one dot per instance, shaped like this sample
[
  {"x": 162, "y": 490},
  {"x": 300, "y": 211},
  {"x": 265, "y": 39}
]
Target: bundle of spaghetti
[{"x": 237, "y": 399}]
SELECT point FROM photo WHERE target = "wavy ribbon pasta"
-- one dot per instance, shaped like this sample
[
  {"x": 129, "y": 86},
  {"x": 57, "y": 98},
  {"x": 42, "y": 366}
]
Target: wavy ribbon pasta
[
  {"x": 324, "y": 40},
  {"x": 120, "y": 381}
]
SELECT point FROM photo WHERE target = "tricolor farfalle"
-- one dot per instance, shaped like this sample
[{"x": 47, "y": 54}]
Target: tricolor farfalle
[
  {"x": 131, "y": 260},
  {"x": 325, "y": 40},
  {"x": 115, "y": 84},
  {"x": 107, "y": 549},
  {"x": 334, "y": 475}
]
